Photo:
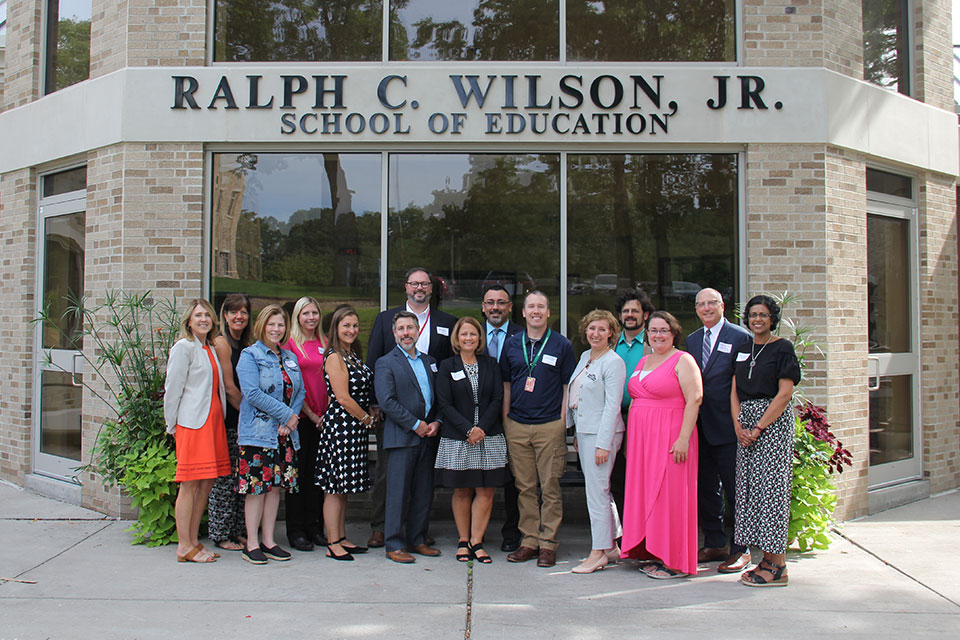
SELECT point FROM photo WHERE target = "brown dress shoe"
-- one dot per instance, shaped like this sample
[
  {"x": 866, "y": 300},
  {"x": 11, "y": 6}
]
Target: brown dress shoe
[
  {"x": 710, "y": 554},
  {"x": 523, "y": 554},
  {"x": 735, "y": 563},
  {"x": 376, "y": 540},
  {"x": 401, "y": 556},
  {"x": 423, "y": 550},
  {"x": 547, "y": 558}
]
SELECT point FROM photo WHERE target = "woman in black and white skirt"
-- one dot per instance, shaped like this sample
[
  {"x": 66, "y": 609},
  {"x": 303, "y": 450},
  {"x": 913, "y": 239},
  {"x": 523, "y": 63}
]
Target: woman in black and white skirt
[
  {"x": 472, "y": 457},
  {"x": 765, "y": 372}
]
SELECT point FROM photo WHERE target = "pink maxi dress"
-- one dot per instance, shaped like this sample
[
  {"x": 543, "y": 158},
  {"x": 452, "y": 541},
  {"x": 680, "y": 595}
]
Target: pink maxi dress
[{"x": 660, "y": 501}]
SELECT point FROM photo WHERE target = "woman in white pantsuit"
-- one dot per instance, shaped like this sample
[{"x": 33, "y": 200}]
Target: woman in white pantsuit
[{"x": 593, "y": 406}]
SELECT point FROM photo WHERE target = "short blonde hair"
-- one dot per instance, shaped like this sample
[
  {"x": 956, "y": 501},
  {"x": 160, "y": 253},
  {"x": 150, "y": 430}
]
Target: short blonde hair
[
  {"x": 455, "y": 335},
  {"x": 601, "y": 314},
  {"x": 260, "y": 328},
  {"x": 185, "y": 331}
]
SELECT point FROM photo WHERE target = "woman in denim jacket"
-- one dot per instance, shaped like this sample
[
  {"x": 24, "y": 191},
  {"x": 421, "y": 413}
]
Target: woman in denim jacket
[{"x": 273, "y": 394}]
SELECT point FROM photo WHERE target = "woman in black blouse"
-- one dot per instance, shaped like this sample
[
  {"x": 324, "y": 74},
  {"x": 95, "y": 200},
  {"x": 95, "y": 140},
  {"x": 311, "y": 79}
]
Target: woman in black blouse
[{"x": 765, "y": 371}]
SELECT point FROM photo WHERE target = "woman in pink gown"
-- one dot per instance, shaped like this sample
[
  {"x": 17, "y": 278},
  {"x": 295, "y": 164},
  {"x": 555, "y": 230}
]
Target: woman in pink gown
[{"x": 660, "y": 505}]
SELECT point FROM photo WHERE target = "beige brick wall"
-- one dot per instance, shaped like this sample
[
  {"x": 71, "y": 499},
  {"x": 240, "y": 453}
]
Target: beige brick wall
[
  {"x": 803, "y": 33},
  {"x": 22, "y": 82},
  {"x": 939, "y": 355},
  {"x": 167, "y": 33},
  {"x": 18, "y": 223},
  {"x": 108, "y": 36},
  {"x": 932, "y": 49}
]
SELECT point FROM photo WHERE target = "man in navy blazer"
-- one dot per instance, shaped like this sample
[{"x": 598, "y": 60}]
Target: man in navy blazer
[
  {"x": 713, "y": 347},
  {"x": 405, "y": 380},
  {"x": 433, "y": 338},
  {"x": 497, "y": 307}
]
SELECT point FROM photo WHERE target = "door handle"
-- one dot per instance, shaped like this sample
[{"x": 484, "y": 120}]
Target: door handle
[
  {"x": 876, "y": 375},
  {"x": 73, "y": 370}
]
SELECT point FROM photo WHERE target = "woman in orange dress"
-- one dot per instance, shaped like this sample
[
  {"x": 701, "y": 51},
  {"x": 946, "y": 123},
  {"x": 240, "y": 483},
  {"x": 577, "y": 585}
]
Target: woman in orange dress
[{"x": 193, "y": 404}]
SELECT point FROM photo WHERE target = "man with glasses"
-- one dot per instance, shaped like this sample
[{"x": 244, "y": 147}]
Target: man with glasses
[
  {"x": 497, "y": 307},
  {"x": 433, "y": 339},
  {"x": 713, "y": 346}
]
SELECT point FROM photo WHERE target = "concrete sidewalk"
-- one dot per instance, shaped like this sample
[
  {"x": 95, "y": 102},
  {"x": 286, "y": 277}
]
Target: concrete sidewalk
[{"x": 885, "y": 576}]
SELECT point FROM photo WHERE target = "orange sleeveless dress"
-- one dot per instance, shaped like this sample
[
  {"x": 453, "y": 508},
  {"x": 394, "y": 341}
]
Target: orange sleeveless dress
[{"x": 202, "y": 454}]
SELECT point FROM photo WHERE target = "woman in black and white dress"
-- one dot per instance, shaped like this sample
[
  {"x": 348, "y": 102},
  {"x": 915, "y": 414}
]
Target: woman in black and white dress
[
  {"x": 472, "y": 455},
  {"x": 765, "y": 372}
]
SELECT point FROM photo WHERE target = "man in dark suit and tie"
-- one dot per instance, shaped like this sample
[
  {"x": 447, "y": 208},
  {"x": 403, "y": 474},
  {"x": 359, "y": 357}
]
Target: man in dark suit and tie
[
  {"x": 433, "y": 338},
  {"x": 405, "y": 380},
  {"x": 497, "y": 308},
  {"x": 713, "y": 346}
]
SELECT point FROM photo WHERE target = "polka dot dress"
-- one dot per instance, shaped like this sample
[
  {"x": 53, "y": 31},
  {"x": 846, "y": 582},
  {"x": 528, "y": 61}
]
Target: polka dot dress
[{"x": 342, "y": 450}]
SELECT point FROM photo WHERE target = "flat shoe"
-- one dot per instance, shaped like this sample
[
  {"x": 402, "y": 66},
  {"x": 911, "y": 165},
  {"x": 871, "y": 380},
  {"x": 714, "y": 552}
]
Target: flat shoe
[
  {"x": 191, "y": 556},
  {"x": 275, "y": 552},
  {"x": 253, "y": 557},
  {"x": 735, "y": 564},
  {"x": 668, "y": 573},
  {"x": 229, "y": 545}
]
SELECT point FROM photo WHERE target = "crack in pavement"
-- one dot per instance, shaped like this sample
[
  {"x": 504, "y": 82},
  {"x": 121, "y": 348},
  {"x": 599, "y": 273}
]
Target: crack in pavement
[{"x": 63, "y": 551}]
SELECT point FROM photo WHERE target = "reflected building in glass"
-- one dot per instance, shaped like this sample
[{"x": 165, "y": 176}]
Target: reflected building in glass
[{"x": 579, "y": 147}]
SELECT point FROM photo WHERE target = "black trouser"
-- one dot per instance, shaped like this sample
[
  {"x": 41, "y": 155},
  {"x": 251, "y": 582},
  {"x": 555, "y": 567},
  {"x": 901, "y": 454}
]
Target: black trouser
[
  {"x": 511, "y": 520},
  {"x": 716, "y": 475},
  {"x": 304, "y": 509}
]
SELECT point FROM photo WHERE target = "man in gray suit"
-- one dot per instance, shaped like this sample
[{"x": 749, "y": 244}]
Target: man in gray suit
[{"x": 405, "y": 379}]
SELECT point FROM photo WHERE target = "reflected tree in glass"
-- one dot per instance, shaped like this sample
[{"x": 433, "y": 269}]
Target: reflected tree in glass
[
  {"x": 651, "y": 30},
  {"x": 68, "y": 43},
  {"x": 885, "y": 41}
]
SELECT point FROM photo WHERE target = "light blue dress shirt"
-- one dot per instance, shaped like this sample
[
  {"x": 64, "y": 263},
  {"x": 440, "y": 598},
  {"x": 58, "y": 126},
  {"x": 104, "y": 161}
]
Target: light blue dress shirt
[
  {"x": 420, "y": 370},
  {"x": 502, "y": 338}
]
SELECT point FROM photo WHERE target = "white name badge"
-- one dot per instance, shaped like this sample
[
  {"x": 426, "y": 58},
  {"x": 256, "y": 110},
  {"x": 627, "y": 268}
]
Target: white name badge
[
  {"x": 444, "y": 331},
  {"x": 742, "y": 356},
  {"x": 458, "y": 375},
  {"x": 549, "y": 359},
  {"x": 724, "y": 347},
  {"x": 290, "y": 364},
  {"x": 433, "y": 367}
]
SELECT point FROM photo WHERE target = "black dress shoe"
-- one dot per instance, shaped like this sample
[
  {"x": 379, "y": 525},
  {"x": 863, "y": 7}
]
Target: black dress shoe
[
  {"x": 509, "y": 544},
  {"x": 318, "y": 539},
  {"x": 300, "y": 543}
]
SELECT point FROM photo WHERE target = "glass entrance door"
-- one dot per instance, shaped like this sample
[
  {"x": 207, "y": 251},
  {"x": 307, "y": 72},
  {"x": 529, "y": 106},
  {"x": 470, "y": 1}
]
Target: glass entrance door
[
  {"x": 893, "y": 364},
  {"x": 58, "y": 392}
]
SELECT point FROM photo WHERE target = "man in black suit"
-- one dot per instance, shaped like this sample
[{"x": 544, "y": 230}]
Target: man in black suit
[
  {"x": 405, "y": 380},
  {"x": 433, "y": 339},
  {"x": 497, "y": 308},
  {"x": 713, "y": 346}
]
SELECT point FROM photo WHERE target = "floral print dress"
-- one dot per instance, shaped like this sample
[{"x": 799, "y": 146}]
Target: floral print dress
[{"x": 260, "y": 468}]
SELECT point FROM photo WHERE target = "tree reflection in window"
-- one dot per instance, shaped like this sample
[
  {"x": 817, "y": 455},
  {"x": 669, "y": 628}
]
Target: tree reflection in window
[
  {"x": 68, "y": 43},
  {"x": 885, "y": 44}
]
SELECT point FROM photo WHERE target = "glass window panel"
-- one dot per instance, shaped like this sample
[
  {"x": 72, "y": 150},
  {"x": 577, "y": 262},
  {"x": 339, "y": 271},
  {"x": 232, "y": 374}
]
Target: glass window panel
[
  {"x": 64, "y": 182},
  {"x": 891, "y": 420},
  {"x": 68, "y": 43},
  {"x": 889, "y": 183},
  {"x": 663, "y": 223},
  {"x": 61, "y": 413},
  {"x": 886, "y": 58},
  {"x": 475, "y": 30},
  {"x": 305, "y": 30},
  {"x": 292, "y": 225},
  {"x": 475, "y": 220},
  {"x": 888, "y": 284},
  {"x": 63, "y": 279},
  {"x": 651, "y": 30}
]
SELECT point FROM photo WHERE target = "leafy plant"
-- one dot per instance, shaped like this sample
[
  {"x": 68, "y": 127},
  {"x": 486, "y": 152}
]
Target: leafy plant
[{"x": 131, "y": 335}]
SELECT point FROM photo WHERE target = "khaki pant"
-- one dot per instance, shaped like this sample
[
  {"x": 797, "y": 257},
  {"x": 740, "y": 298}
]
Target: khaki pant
[{"x": 538, "y": 453}]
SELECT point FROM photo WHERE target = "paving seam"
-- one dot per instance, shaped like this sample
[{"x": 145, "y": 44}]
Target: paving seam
[
  {"x": 469, "y": 622},
  {"x": 29, "y": 519},
  {"x": 57, "y": 555},
  {"x": 894, "y": 567}
]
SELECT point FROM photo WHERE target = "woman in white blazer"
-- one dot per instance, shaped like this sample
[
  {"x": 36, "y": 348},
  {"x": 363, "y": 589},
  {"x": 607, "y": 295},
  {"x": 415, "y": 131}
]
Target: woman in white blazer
[
  {"x": 193, "y": 404},
  {"x": 593, "y": 406}
]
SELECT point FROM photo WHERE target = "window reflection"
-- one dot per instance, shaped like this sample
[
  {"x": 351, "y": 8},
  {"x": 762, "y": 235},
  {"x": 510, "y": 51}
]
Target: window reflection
[
  {"x": 651, "y": 30},
  {"x": 290, "y": 225},
  {"x": 891, "y": 420},
  {"x": 666, "y": 223},
  {"x": 475, "y": 220},
  {"x": 60, "y": 418},
  {"x": 885, "y": 41},
  {"x": 888, "y": 284},
  {"x": 64, "y": 240},
  {"x": 475, "y": 30},
  {"x": 68, "y": 43},
  {"x": 298, "y": 30}
]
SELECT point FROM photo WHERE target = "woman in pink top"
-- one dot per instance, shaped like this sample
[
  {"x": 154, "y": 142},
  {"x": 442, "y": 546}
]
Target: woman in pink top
[
  {"x": 660, "y": 505},
  {"x": 305, "y": 509}
]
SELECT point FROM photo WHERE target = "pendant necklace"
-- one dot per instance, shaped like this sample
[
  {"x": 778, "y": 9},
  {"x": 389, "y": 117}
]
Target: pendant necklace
[
  {"x": 597, "y": 358},
  {"x": 753, "y": 358}
]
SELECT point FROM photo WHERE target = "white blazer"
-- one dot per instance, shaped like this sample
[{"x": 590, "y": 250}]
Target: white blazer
[
  {"x": 186, "y": 399},
  {"x": 601, "y": 392}
]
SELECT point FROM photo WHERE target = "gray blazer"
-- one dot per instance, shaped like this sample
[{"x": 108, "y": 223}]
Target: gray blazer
[
  {"x": 601, "y": 390},
  {"x": 187, "y": 388},
  {"x": 398, "y": 394}
]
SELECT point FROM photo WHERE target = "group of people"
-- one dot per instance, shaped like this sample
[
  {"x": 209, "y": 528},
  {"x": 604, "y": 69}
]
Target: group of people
[{"x": 661, "y": 434}]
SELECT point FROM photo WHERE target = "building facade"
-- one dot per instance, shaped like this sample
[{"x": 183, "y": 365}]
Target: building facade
[{"x": 199, "y": 147}]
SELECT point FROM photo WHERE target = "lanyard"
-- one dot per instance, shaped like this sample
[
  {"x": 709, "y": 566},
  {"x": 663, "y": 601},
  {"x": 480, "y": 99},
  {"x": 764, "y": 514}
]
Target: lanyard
[
  {"x": 425, "y": 321},
  {"x": 526, "y": 358}
]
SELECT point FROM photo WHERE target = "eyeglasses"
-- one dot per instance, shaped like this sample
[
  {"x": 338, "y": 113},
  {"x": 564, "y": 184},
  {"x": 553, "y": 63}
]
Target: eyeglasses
[
  {"x": 496, "y": 303},
  {"x": 708, "y": 303},
  {"x": 418, "y": 285},
  {"x": 659, "y": 332},
  {"x": 755, "y": 315}
]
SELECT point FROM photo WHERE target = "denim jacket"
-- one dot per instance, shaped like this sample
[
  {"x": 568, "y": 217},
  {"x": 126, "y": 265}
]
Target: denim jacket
[{"x": 262, "y": 409}]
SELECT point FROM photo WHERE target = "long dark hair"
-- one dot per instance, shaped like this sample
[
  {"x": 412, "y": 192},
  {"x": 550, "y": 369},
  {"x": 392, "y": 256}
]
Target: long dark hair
[{"x": 333, "y": 338}]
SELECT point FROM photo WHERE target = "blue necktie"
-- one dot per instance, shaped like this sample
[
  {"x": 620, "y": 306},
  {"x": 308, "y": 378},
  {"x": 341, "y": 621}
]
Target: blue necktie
[
  {"x": 706, "y": 349},
  {"x": 494, "y": 343}
]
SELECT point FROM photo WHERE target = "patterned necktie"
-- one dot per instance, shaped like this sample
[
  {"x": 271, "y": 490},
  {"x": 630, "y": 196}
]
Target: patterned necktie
[
  {"x": 706, "y": 349},
  {"x": 494, "y": 343}
]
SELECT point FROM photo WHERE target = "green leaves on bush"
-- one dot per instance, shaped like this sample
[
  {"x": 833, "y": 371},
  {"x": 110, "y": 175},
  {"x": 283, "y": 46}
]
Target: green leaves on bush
[
  {"x": 814, "y": 496},
  {"x": 148, "y": 479}
]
